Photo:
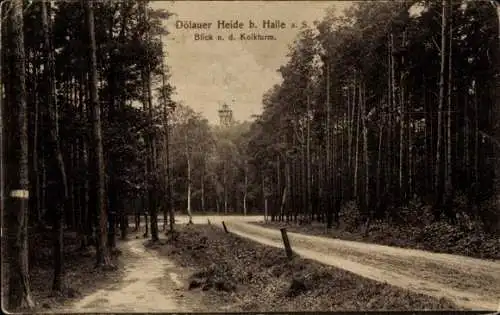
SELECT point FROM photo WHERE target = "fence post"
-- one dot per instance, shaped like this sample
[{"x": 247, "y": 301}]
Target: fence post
[
  {"x": 225, "y": 228},
  {"x": 286, "y": 242}
]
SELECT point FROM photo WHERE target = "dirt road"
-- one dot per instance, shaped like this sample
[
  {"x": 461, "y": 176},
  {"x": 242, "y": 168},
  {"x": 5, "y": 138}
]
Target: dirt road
[
  {"x": 470, "y": 283},
  {"x": 152, "y": 284}
]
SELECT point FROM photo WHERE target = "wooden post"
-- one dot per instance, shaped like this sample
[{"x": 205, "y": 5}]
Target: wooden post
[
  {"x": 265, "y": 210},
  {"x": 225, "y": 228},
  {"x": 286, "y": 242}
]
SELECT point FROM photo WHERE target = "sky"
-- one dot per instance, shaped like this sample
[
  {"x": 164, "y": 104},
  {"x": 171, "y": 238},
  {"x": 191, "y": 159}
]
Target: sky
[{"x": 207, "y": 73}]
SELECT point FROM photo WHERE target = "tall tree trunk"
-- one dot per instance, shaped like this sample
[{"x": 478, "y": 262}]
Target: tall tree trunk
[
  {"x": 168, "y": 182},
  {"x": 225, "y": 188},
  {"x": 202, "y": 182},
  {"x": 336, "y": 177},
  {"x": 264, "y": 197},
  {"x": 356, "y": 158},
  {"x": 379, "y": 166},
  {"x": 351, "y": 112},
  {"x": 303, "y": 177},
  {"x": 245, "y": 189},
  {"x": 85, "y": 226},
  {"x": 17, "y": 167},
  {"x": 393, "y": 109},
  {"x": 427, "y": 141},
  {"x": 62, "y": 204},
  {"x": 496, "y": 115},
  {"x": 3, "y": 74},
  {"x": 388, "y": 163},
  {"x": 449, "y": 166},
  {"x": 103, "y": 255},
  {"x": 328, "y": 163},
  {"x": 365, "y": 150},
  {"x": 188, "y": 182},
  {"x": 111, "y": 156},
  {"x": 308, "y": 160},
  {"x": 278, "y": 187},
  {"x": 402, "y": 126},
  {"x": 32, "y": 64},
  {"x": 476, "y": 146},
  {"x": 285, "y": 190},
  {"x": 145, "y": 198},
  {"x": 37, "y": 190},
  {"x": 153, "y": 204},
  {"x": 438, "y": 181},
  {"x": 466, "y": 141}
]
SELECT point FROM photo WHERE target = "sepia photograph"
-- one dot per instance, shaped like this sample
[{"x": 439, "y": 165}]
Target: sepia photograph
[{"x": 250, "y": 156}]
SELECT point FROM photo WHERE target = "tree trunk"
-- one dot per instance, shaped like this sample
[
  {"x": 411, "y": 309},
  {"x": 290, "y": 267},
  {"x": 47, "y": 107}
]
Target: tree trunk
[
  {"x": 402, "y": 126},
  {"x": 103, "y": 255},
  {"x": 264, "y": 197},
  {"x": 379, "y": 165},
  {"x": 327, "y": 189},
  {"x": 388, "y": 160},
  {"x": 35, "y": 210},
  {"x": 17, "y": 166},
  {"x": 308, "y": 159},
  {"x": 365, "y": 151},
  {"x": 153, "y": 204},
  {"x": 496, "y": 115},
  {"x": 113, "y": 210},
  {"x": 278, "y": 185},
  {"x": 225, "y": 189},
  {"x": 351, "y": 113},
  {"x": 62, "y": 203},
  {"x": 438, "y": 183},
  {"x": 411, "y": 162},
  {"x": 3, "y": 74},
  {"x": 188, "y": 184},
  {"x": 85, "y": 226},
  {"x": 356, "y": 158},
  {"x": 168, "y": 181},
  {"x": 393, "y": 108},
  {"x": 449, "y": 171},
  {"x": 285, "y": 192},
  {"x": 245, "y": 191}
]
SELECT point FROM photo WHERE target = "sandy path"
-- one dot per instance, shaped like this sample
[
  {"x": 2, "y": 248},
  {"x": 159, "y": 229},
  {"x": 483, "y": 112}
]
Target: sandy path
[
  {"x": 151, "y": 284},
  {"x": 470, "y": 283}
]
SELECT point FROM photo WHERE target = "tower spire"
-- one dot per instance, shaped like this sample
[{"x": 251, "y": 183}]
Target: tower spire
[{"x": 225, "y": 115}]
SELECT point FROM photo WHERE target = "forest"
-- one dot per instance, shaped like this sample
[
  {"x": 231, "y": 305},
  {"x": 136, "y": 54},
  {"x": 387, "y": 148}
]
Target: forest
[
  {"x": 385, "y": 113},
  {"x": 390, "y": 106}
]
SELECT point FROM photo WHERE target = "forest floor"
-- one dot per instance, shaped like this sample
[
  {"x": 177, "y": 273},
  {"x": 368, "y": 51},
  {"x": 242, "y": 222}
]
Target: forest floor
[
  {"x": 236, "y": 274},
  {"x": 207, "y": 269},
  {"x": 80, "y": 276},
  {"x": 439, "y": 237},
  {"x": 142, "y": 281}
]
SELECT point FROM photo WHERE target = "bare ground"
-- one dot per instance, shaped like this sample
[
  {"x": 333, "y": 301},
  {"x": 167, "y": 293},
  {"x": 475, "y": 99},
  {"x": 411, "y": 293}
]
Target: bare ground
[
  {"x": 236, "y": 274},
  {"x": 470, "y": 283},
  {"x": 439, "y": 237},
  {"x": 150, "y": 284}
]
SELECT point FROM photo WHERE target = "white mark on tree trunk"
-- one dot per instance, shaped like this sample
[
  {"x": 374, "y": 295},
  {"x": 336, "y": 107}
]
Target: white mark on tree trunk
[{"x": 20, "y": 193}]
